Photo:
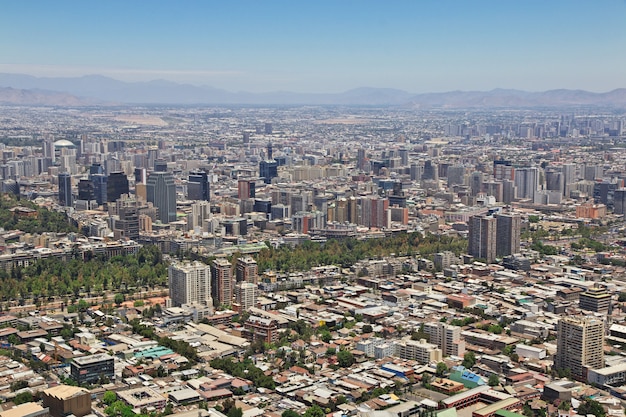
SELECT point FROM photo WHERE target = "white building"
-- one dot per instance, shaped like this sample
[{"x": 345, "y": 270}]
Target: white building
[{"x": 189, "y": 282}]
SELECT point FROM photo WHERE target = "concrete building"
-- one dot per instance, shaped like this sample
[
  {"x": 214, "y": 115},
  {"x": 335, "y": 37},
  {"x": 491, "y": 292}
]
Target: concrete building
[
  {"x": 596, "y": 299},
  {"x": 246, "y": 295},
  {"x": 247, "y": 270},
  {"x": 64, "y": 400},
  {"x": 161, "y": 191},
  {"x": 447, "y": 337},
  {"x": 26, "y": 410},
  {"x": 91, "y": 369},
  {"x": 420, "y": 351},
  {"x": 580, "y": 343},
  {"x": 189, "y": 283},
  {"x": 508, "y": 230},
  {"x": 482, "y": 237},
  {"x": 221, "y": 282}
]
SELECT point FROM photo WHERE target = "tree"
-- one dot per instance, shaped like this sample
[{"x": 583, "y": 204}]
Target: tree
[
  {"x": 442, "y": 368},
  {"x": 592, "y": 407},
  {"x": 493, "y": 380},
  {"x": 345, "y": 359},
  {"x": 425, "y": 379},
  {"x": 118, "y": 299},
  {"x": 289, "y": 413},
  {"x": 367, "y": 328},
  {"x": 314, "y": 411},
  {"x": 109, "y": 397},
  {"x": 469, "y": 360},
  {"x": 235, "y": 412},
  {"x": 23, "y": 397}
]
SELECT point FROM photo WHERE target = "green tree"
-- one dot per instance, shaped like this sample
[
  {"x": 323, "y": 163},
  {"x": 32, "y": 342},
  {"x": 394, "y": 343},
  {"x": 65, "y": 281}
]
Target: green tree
[
  {"x": 235, "y": 412},
  {"x": 469, "y": 360},
  {"x": 345, "y": 359},
  {"x": 314, "y": 411},
  {"x": 493, "y": 380},
  {"x": 442, "y": 368},
  {"x": 23, "y": 397},
  {"x": 118, "y": 299},
  {"x": 289, "y": 413},
  {"x": 109, "y": 397},
  {"x": 592, "y": 407},
  {"x": 367, "y": 328}
]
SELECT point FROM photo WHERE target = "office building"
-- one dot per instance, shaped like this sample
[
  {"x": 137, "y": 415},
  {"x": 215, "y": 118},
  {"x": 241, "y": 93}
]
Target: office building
[
  {"x": 92, "y": 369},
  {"x": 222, "y": 282},
  {"x": 117, "y": 184},
  {"x": 200, "y": 214},
  {"x": 527, "y": 182},
  {"x": 246, "y": 188},
  {"x": 198, "y": 186},
  {"x": 580, "y": 345},
  {"x": 508, "y": 232},
  {"x": 161, "y": 191},
  {"x": 482, "y": 237},
  {"x": 268, "y": 170},
  {"x": 65, "y": 189},
  {"x": 189, "y": 283},
  {"x": 596, "y": 299},
  {"x": 247, "y": 270},
  {"x": 374, "y": 212},
  {"x": 619, "y": 201}
]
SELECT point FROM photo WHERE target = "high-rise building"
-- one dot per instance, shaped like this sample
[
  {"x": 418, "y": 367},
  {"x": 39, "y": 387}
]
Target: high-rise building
[
  {"x": 619, "y": 201},
  {"x": 65, "y": 189},
  {"x": 245, "y": 295},
  {"x": 161, "y": 191},
  {"x": 447, "y": 337},
  {"x": 268, "y": 170},
  {"x": 580, "y": 345},
  {"x": 569, "y": 177},
  {"x": 246, "y": 188},
  {"x": 117, "y": 184},
  {"x": 482, "y": 237},
  {"x": 527, "y": 182},
  {"x": 247, "y": 270},
  {"x": 189, "y": 282},
  {"x": 198, "y": 187},
  {"x": 508, "y": 234},
  {"x": 200, "y": 211},
  {"x": 222, "y": 282},
  {"x": 85, "y": 190},
  {"x": 375, "y": 212}
]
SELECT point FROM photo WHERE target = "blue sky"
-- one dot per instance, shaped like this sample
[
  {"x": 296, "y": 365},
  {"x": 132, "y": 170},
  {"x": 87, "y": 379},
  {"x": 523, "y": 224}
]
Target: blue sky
[{"x": 323, "y": 46}]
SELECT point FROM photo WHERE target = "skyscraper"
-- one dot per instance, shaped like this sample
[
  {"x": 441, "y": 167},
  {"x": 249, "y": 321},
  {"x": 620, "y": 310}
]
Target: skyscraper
[
  {"x": 482, "y": 237},
  {"x": 619, "y": 201},
  {"x": 117, "y": 184},
  {"x": 527, "y": 182},
  {"x": 161, "y": 191},
  {"x": 198, "y": 187},
  {"x": 508, "y": 234},
  {"x": 189, "y": 282},
  {"x": 268, "y": 170},
  {"x": 246, "y": 188},
  {"x": 222, "y": 282},
  {"x": 65, "y": 189},
  {"x": 580, "y": 343}
]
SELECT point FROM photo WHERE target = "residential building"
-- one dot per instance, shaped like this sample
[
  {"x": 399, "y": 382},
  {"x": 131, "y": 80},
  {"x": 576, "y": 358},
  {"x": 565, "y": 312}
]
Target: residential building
[
  {"x": 482, "y": 237},
  {"x": 580, "y": 343},
  {"x": 221, "y": 282},
  {"x": 189, "y": 282}
]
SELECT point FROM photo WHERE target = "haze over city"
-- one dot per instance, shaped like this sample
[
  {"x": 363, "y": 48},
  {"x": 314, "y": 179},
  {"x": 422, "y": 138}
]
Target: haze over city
[{"x": 323, "y": 46}]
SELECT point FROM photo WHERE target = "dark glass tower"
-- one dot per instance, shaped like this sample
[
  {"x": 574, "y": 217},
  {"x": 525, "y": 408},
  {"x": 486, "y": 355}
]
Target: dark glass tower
[
  {"x": 65, "y": 189},
  {"x": 161, "y": 191},
  {"x": 198, "y": 187},
  {"x": 117, "y": 184}
]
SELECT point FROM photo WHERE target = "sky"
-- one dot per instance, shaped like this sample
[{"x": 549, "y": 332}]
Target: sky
[{"x": 320, "y": 46}]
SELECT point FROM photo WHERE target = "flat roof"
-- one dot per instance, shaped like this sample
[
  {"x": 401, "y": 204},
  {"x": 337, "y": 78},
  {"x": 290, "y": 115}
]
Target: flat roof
[
  {"x": 64, "y": 392},
  {"x": 89, "y": 359}
]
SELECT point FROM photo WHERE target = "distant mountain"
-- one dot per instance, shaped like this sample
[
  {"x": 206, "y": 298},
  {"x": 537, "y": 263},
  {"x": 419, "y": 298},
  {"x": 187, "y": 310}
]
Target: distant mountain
[
  {"x": 20, "y": 97},
  {"x": 98, "y": 88}
]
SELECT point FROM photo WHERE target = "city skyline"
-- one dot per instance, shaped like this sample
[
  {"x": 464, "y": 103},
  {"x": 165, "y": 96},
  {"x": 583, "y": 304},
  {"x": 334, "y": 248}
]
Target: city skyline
[{"x": 324, "y": 47}]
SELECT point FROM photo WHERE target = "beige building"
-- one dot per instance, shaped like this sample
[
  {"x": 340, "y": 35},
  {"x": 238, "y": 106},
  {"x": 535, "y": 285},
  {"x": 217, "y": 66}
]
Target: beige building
[
  {"x": 579, "y": 345},
  {"x": 447, "y": 337},
  {"x": 64, "y": 400},
  {"x": 420, "y": 351}
]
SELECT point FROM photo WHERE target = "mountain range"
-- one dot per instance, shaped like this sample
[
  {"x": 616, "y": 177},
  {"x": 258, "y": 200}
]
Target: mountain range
[{"x": 89, "y": 90}]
